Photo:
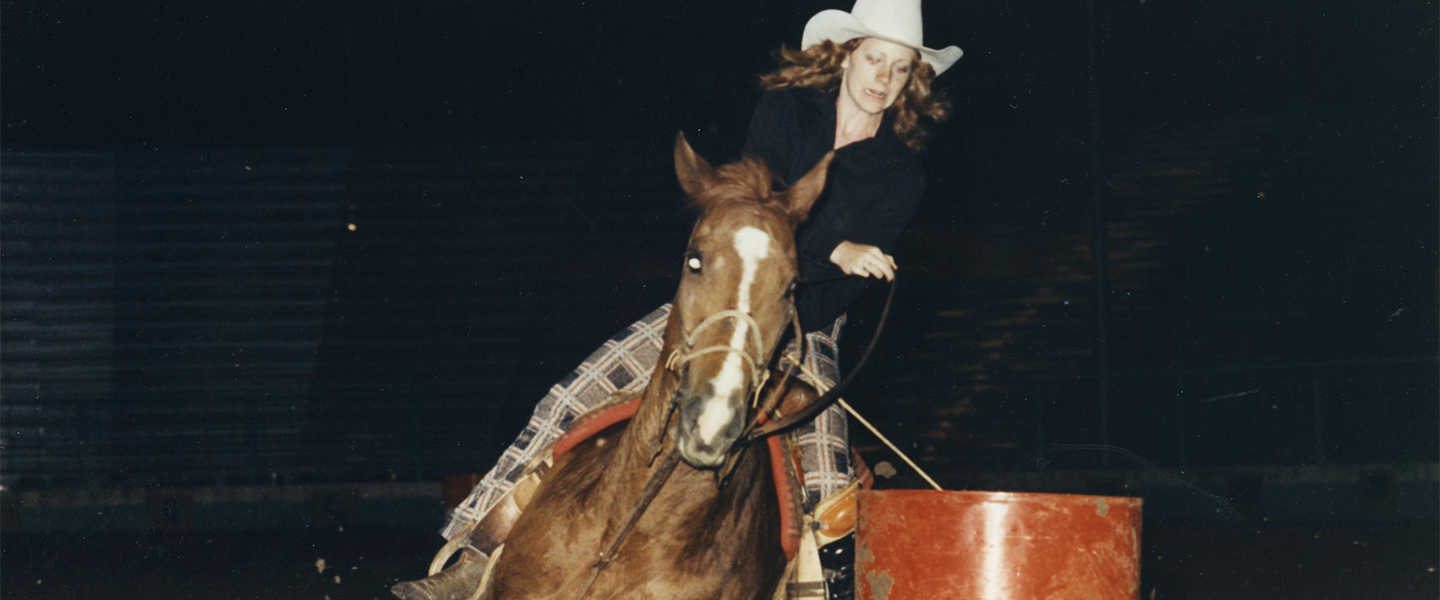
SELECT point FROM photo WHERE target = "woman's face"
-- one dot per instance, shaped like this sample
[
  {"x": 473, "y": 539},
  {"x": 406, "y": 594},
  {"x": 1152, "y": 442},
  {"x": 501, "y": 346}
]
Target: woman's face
[{"x": 875, "y": 73}]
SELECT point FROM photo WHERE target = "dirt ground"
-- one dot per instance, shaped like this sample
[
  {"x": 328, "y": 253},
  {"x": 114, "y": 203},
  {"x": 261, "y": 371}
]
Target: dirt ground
[{"x": 1238, "y": 560}]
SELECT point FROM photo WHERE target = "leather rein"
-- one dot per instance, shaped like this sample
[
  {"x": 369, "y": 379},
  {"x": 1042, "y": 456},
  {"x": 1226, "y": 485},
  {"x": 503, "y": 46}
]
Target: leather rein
[{"x": 759, "y": 428}]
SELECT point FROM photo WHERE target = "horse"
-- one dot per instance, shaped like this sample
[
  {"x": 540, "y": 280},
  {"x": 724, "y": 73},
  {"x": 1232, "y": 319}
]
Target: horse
[{"x": 680, "y": 525}]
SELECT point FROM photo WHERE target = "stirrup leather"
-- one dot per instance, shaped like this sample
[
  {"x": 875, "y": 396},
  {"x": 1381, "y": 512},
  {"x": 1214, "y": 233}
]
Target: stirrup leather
[{"x": 804, "y": 578}]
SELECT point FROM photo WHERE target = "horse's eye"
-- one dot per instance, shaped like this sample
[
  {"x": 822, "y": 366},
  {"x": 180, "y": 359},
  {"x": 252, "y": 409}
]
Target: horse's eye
[
  {"x": 791, "y": 290},
  {"x": 692, "y": 262}
]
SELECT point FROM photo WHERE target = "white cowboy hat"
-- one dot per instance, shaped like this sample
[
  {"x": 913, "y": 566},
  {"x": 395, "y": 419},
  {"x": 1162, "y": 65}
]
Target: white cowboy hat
[{"x": 891, "y": 20}]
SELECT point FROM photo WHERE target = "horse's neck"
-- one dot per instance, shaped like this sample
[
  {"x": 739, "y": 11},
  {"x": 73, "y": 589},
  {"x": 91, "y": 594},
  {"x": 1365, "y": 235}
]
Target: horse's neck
[
  {"x": 633, "y": 460},
  {"x": 636, "y": 456}
]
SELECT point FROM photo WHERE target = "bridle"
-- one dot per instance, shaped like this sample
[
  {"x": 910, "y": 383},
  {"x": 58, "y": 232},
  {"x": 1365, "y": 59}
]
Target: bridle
[
  {"x": 763, "y": 427},
  {"x": 759, "y": 428},
  {"x": 758, "y": 373},
  {"x": 671, "y": 457}
]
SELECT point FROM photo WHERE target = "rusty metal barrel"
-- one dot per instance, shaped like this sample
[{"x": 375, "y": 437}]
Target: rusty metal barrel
[{"x": 927, "y": 545}]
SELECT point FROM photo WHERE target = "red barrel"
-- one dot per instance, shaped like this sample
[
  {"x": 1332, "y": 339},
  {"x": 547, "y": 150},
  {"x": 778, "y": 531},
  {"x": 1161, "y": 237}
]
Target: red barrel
[{"x": 927, "y": 545}]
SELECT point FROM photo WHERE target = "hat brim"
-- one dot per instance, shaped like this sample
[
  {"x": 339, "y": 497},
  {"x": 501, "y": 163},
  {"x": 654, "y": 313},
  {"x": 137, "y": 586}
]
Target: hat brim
[{"x": 839, "y": 26}]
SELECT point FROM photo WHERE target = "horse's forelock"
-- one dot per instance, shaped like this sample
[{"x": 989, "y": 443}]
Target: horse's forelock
[{"x": 747, "y": 180}]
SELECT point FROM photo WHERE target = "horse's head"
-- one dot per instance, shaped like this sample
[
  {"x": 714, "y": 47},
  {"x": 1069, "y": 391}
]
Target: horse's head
[{"x": 734, "y": 299}]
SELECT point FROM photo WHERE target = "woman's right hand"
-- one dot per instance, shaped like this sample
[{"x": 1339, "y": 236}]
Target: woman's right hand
[{"x": 863, "y": 260}]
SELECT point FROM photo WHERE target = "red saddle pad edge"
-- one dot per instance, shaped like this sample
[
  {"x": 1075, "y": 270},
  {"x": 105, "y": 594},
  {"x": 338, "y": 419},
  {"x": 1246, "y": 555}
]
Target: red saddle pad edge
[{"x": 789, "y": 529}]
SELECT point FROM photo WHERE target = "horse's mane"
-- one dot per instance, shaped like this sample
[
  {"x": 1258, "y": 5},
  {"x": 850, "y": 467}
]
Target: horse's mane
[{"x": 746, "y": 180}]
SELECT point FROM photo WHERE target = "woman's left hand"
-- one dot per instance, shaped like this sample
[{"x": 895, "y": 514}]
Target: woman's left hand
[{"x": 863, "y": 260}]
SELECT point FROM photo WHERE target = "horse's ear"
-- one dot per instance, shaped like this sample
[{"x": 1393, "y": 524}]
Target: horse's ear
[
  {"x": 801, "y": 197},
  {"x": 694, "y": 173}
]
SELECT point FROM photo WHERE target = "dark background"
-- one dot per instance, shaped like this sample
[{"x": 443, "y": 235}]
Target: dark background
[{"x": 186, "y": 306}]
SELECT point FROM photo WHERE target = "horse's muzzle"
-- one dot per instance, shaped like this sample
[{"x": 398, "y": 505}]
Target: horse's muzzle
[
  {"x": 709, "y": 426},
  {"x": 699, "y": 455}
]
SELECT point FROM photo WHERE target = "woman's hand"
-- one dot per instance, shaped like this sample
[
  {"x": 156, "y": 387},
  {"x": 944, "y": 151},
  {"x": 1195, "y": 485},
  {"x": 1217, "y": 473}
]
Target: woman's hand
[{"x": 863, "y": 260}]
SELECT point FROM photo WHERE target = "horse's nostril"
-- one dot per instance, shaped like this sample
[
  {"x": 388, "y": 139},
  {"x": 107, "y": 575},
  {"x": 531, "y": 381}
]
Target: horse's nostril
[{"x": 699, "y": 454}]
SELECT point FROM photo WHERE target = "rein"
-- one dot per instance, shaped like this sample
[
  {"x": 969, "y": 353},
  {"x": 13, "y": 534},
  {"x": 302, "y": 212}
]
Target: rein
[
  {"x": 786, "y": 422},
  {"x": 758, "y": 376},
  {"x": 757, "y": 430},
  {"x": 758, "y": 373},
  {"x": 652, "y": 488}
]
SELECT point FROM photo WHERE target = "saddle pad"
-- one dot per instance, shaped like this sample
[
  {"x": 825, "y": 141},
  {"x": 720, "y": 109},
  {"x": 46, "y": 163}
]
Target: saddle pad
[
  {"x": 782, "y": 467},
  {"x": 593, "y": 422}
]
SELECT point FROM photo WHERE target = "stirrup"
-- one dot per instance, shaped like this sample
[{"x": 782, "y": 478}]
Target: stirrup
[
  {"x": 484, "y": 538},
  {"x": 479, "y": 546},
  {"x": 458, "y": 582},
  {"x": 814, "y": 574},
  {"x": 833, "y": 520},
  {"x": 835, "y": 515},
  {"x": 489, "y": 531}
]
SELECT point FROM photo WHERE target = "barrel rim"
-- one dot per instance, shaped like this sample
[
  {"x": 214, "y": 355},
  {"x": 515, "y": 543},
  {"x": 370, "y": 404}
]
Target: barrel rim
[{"x": 1010, "y": 497}]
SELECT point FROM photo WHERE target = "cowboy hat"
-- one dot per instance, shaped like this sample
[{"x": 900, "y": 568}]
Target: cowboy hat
[{"x": 890, "y": 20}]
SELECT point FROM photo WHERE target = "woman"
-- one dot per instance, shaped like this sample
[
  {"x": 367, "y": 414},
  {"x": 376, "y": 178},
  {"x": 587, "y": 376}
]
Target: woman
[{"x": 860, "y": 86}]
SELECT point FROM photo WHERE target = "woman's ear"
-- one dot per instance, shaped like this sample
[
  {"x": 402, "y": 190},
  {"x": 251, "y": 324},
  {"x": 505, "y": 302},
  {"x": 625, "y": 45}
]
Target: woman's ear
[
  {"x": 694, "y": 173},
  {"x": 800, "y": 198}
]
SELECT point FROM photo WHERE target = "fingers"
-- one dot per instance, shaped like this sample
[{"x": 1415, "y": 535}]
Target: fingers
[
  {"x": 864, "y": 260},
  {"x": 877, "y": 264},
  {"x": 882, "y": 270},
  {"x": 887, "y": 271}
]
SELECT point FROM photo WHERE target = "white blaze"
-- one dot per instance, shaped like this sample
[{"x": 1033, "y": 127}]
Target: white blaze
[{"x": 753, "y": 246}]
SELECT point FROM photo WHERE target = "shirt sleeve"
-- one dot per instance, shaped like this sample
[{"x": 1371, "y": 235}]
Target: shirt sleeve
[
  {"x": 893, "y": 206},
  {"x": 817, "y": 241},
  {"x": 868, "y": 204},
  {"x": 890, "y": 205}
]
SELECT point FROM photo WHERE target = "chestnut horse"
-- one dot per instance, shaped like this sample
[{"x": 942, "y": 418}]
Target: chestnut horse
[{"x": 704, "y": 535}]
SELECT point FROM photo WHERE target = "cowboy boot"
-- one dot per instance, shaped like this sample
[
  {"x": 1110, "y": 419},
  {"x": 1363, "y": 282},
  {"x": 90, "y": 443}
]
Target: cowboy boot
[
  {"x": 837, "y": 562},
  {"x": 477, "y": 546},
  {"x": 835, "y": 532},
  {"x": 483, "y": 541},
  {"x": 457, "y": 582}
]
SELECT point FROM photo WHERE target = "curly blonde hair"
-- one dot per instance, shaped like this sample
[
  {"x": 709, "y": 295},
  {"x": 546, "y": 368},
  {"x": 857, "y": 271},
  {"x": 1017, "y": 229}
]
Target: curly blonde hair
[{"x": 819, "y": 67}]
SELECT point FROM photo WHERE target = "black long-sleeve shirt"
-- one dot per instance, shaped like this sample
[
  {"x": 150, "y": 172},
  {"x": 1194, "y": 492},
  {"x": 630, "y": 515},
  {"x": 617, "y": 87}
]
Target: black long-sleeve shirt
[{"x": 872, "y": 190}]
